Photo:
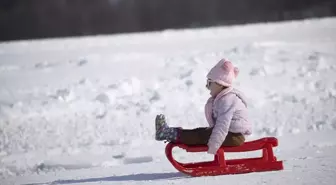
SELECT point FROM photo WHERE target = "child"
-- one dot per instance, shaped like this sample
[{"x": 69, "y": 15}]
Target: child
[{"x": 225, "y": 111}]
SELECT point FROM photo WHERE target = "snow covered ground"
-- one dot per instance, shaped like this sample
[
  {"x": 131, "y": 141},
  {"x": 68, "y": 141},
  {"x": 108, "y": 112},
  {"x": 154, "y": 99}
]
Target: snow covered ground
[{"x": 81, "y": 110}]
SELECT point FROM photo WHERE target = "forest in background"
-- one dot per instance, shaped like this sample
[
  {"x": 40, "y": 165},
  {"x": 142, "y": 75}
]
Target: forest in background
[{"x": 32, "y": 19}]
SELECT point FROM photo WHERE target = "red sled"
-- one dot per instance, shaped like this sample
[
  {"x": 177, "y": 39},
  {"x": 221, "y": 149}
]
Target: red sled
[{"x": 222, "y": 166}]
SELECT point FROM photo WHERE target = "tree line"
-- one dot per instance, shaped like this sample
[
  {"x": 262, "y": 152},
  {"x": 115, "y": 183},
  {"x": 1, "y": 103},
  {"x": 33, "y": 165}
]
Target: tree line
[{"x": 31, "y": 19}]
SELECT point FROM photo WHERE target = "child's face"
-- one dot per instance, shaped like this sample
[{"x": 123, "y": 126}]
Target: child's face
[{"x": 214, "y": 88}]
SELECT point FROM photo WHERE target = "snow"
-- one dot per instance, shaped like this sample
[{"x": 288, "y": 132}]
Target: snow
[{"x": 81, "y": 110}]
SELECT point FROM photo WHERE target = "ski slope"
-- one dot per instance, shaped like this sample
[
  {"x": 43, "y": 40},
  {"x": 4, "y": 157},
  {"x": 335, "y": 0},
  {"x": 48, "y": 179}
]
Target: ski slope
[{"x": 81, "y": 110}]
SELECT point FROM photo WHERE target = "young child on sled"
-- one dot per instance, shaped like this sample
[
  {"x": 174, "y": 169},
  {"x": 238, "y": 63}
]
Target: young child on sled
[{"x": 225, "y": 111}]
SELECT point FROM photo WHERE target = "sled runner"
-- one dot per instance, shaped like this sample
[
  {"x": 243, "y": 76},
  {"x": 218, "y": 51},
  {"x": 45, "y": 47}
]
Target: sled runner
[{"x": 222, "y": 166}]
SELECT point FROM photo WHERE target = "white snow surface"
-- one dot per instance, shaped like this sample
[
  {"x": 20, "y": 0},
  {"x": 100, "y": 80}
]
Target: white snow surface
[{"x": 81, "y": 110}]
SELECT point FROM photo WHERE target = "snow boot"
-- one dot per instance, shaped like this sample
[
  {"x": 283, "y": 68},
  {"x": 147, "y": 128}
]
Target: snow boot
[{"x": 163, "y": 131}]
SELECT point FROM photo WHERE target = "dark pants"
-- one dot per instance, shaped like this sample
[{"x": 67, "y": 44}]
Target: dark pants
[{"x": 200, "y": 136}]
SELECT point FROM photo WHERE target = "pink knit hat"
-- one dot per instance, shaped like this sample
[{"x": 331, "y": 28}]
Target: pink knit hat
[{"x": 223, "y": 73}]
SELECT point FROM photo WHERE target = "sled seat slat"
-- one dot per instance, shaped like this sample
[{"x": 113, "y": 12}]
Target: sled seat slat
[{"x": 247, "y": 146}]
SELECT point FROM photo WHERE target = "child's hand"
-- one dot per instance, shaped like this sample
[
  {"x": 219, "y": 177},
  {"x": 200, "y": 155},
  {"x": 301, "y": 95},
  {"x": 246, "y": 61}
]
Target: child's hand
[{"x": 212, "y": 150}]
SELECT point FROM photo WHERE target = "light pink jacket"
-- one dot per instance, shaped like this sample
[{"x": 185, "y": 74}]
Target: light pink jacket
[{"x": 226, "y": 112}]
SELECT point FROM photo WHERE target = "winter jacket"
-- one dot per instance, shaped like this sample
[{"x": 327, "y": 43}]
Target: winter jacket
[{"x": 226, "y": 112}]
